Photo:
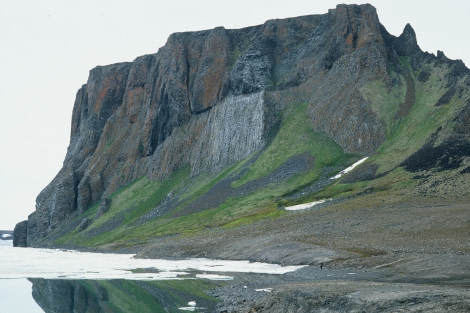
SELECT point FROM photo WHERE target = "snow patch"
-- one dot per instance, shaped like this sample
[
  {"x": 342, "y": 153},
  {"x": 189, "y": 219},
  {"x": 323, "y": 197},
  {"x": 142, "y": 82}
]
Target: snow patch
[
  {"x": 191, "y": 308},
  {"x": 349, "y": 169},
  {"x": 305, "y": 205}
]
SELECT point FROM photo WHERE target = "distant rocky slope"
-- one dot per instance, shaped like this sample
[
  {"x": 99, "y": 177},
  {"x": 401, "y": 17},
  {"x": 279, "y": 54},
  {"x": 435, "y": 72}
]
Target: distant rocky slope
[{"x": 226, "y": 126}]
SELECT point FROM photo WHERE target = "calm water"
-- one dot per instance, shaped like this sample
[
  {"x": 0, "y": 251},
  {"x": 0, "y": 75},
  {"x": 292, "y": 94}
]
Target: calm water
[
  {"x": 66, "y": 281},
  {"x": 15, "y": 294}
]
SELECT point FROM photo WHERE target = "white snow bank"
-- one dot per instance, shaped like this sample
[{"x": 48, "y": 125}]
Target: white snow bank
[
  {"x": 305, "y": 205},
  {"x": 349, "y": 169}
]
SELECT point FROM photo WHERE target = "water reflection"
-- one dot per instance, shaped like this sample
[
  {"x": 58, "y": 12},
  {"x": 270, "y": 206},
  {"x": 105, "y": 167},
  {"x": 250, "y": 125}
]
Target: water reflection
[
  {"x": 72, "y": 281},
  {"x": 90, "y": 296}
]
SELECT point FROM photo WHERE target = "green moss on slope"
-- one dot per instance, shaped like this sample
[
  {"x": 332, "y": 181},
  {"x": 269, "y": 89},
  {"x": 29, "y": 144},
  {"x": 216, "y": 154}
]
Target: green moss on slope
[{"x": 423, "y": 119}]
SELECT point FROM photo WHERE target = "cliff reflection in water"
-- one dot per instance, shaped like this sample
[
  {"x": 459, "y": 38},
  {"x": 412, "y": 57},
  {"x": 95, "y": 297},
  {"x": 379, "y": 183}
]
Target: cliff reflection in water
[
  {"x": 100, "y": 296},
  {"x": 72, "y": 281}
]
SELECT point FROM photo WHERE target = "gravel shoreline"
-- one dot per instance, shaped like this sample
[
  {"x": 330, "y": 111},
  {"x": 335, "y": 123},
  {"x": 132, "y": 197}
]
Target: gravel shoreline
[{"x": 410, "y": 256}]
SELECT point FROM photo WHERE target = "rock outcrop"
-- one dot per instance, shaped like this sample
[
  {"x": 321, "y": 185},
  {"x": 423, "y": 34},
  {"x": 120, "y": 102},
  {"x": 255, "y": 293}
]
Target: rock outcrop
[
  {"x": 20, "y": 234},
  {"x": 209, "y": 99}
]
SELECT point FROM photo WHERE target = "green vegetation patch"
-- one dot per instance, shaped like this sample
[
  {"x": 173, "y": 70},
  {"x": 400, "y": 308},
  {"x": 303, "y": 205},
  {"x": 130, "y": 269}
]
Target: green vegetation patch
[
  {"x": 128, "y": 296},
  {"x": 384, "y": 100},
  {"x": 128, "y": 204},
  {"x": 423, "y": 119},
  {"x": 234, "y": 211},
  {"x": 192, "y": 289}
]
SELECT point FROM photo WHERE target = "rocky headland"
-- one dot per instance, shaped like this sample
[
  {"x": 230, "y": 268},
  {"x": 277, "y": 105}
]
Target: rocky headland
[{"x": 196, "y": 150}]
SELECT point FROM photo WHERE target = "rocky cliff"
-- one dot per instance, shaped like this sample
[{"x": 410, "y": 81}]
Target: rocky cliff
[{"x": 208, "y": 100}]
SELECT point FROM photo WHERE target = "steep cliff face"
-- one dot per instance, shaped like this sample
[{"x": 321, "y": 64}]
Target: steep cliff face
[{"x": 209, "y": 99}]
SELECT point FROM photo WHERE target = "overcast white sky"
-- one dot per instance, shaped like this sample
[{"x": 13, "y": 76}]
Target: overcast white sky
[{"x": 47, "y": 48}]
